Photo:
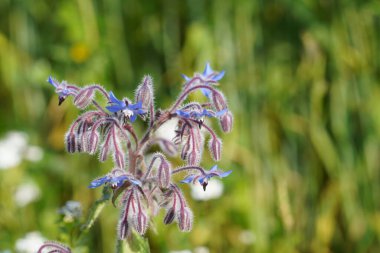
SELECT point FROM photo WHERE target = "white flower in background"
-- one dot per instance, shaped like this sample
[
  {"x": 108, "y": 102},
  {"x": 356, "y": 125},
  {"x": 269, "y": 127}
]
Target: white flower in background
[
  {"x": 26, "y": 193},
  {"x": 180, "y": 251},
  {"x": 167, "y": 130},
  {"x": 30, "y": 243},
  {"x": 214, "y": 190},
  {"x": 247, "y": 237},
  {"x": 71, "y": 210},
  {"x": 34, "y": 153},
  {"x": 14, "y": 147},
  {"x": 201, "y": 249}
]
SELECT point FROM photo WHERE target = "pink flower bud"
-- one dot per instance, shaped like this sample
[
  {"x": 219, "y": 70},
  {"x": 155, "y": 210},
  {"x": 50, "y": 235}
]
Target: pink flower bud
[
  {"x": 219, "y": 101},
  {"x": 169, "y": 217},
  {"x": 70, "y": 140},
  {"x": 84, "y": 97},
  {"x": 164, "y": 174},
  {"x": 104, "y": 151},
  {"x": 226, "y": 122},
  {"x": 140, "y": 221},
  {"x": 215, "y": 147},
  {"x": 168, "y": 147},
  {"x": 119, "y": 159},
  {"x": 185, "y": 219},
  {"x": 93, "y": 142},
  {"x": 123, "y": 229},
  {"x": 144, "y": 93}
]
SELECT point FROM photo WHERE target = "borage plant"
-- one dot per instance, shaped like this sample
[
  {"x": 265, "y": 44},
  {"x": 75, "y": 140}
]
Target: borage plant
[{"x": 142, "y": 186}]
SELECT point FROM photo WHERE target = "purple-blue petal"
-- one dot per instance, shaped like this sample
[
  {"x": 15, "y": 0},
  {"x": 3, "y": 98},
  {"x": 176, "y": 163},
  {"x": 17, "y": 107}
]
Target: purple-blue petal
[
  {"x": 214, "y": 168},
  {"x": 98, "y": 182},
  {"x": 183, "y": 114},
  {"x": 115, "y": 108},
  {"x": 207, "y": 113},
  {"x": 221, "y": 113},
  {"x": 134, "y": 181},
  {"x": 225, "y": 174},
  {"x": 133, "y": 117},
  {"x": 188, "y": 179},
  {"x": 136, "y": 106},
  {"x": 218, "y": 76},
  {"x": 208, "y": 70},
  {"x": 52, "y": 82},
  {"x": 206, "y": 92},
  {"x": 114, "y": 99},
  {"x": 185, "y": 77}
]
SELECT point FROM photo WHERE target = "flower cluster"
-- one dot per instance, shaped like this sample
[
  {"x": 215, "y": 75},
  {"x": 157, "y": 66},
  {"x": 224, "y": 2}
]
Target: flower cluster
[{"x": 142, "y": 186}]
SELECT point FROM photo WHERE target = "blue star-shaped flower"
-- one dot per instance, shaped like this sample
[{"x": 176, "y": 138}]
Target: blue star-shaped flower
[
  {"x": 60, "y": 88},
  {"x": 203, "y": 178},
  {"x": 130, "y": 110},
  {"x": 113, "y": 180},
  {"x": 199, "y": 115},
  {"x": 208, "y": 76}
]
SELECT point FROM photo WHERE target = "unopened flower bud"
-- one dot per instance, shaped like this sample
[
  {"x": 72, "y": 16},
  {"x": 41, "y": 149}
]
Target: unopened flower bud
[
  {"x": 119, "y": 159},
  {"x": 144, "y": 93},
  {"x": 140, "y": 222},
  {"x": 219, "y": 101},
  {"x": 168, "y": 147},
  {"x": 84, "y": 97},
  {"x": 169, "y": 217},
  {"x": 226, "y": 122},
  {"x": 93, "y": 142},
  {"x": 185, "y": 219},
  {"x": 70, "y": 140},
  {"x": 164, "y": 174},
  {"x": 123, "y": 229},
  {"x": 215, "y": 147}
]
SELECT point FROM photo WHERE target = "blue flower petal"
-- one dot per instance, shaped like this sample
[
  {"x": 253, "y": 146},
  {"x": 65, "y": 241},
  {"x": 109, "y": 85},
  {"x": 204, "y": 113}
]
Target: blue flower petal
[
  {"x": 98, "y": 182},
  {"x": 113, "y": 98},
  {"x": 218, "y": 76},
  {"x": 225, "y": 174},
  {"x": 208, "y": 70},
  {"x": 185, "y": 77},
  {"x": 133, "y": 117},
  {"x": 188, "y": 179},
  {"x": 214, "y": 168},
  {"x": 207, "y": 113},
  {"x": 207, "y": 93},
  {"x": 183, "y": 114},
  {"x": 115, "y": 108},
  {"x": 134, "y": 181},
  {"x": 136, "y": 106},
  {"x": 52, "y": 82},
  {"x": 221, "y": 113}
]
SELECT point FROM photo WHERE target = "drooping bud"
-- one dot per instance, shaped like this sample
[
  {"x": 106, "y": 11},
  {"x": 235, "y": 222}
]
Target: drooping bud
[
  {"x": 144, "y": 93},
  {"x": 105, "y": 149},
  {"x": 169, "y": 217},
  {"x": 219, "y": 101},
  {"x": 185, "y": 219},
  {"x": 164, "y": 174},
  {"x": 140, "y": 222},
  {"x": 84, "y": 97},
  {"x": 93, "y": 142},
  {"x": 215, "y": 147},
  {"x": 51, "y": 246},
  {"x": 70, "y": 140},
  {"x": 119, "y": 159},
  {"x": 168, "y": 147},
  {"x": 226, "y": 122},
  {"x": 195, "y": 142},
  {"x": 127, "y": 211}
]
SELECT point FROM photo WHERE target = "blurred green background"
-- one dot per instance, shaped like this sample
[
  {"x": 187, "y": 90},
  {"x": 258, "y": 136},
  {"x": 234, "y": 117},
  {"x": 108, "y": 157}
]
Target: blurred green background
[{"x": 302, "y": 78}]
